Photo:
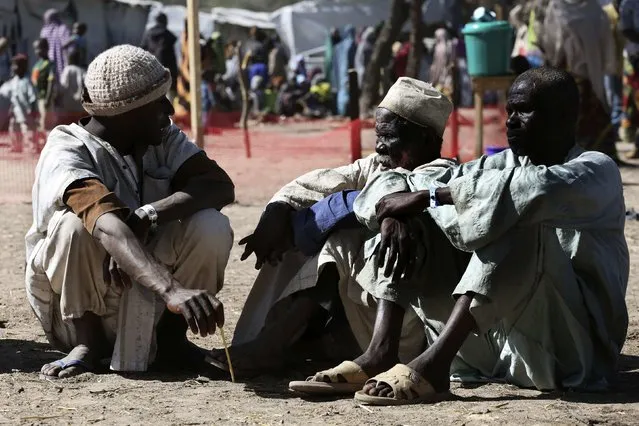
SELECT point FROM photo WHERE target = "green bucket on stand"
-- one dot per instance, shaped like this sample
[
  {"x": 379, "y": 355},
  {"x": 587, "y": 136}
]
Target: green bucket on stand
[{"x": 488, "y": 47}]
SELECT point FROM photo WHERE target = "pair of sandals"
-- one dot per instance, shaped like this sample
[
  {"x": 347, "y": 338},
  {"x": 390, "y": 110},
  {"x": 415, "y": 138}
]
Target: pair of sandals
[{"x": 408, "y": 386}]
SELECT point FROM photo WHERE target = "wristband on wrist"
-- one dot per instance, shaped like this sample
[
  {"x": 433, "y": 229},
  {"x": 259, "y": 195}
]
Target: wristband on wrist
[
  {"x": 432, "y": 192},
  {"x": 152, "y": 215}
]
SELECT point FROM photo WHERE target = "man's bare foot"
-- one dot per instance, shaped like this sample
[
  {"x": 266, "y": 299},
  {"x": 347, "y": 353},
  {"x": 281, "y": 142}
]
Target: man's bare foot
[
  {"x": 79, "y": 360},
  {"x": 436, "y": 373}
]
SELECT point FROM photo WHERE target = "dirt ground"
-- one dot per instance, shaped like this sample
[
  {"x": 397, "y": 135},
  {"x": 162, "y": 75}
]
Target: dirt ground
[{"x": 165, "y": 399}]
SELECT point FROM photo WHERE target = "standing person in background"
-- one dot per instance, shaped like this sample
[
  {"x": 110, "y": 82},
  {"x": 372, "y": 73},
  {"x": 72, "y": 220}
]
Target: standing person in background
[
  {"x": 255, "y": 46},
  {"x": 5, "y": 60},
  {"x": 330, "y": 70},
  {"x": 364, "y": 53},
  {"x": 401, "y": 58},
  {"x": 72, "y": 85},
  {"x": 56, "y": 34},
  {"x": 441, "y": 74},
  {"x": 277, "y": 62},
  {"x": 230, "y": 84},
  {"x": 613, "y": 82},
  {"x": 161, "y": 42},
  {"x": 23, "y": 109},
  {"x": 629, "y": 26},
  {"x": 218, "y": 59},
  {"x": 78, "y": 41},
  {"x": 577, "y": 38},
  {"x": 345, "y": 59},
  {"x": 43, "y": 77}
]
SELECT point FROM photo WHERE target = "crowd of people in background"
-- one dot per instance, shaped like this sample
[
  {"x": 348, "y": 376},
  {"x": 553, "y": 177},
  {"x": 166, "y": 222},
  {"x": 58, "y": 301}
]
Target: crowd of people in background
[{"x": 551, "y": 32}]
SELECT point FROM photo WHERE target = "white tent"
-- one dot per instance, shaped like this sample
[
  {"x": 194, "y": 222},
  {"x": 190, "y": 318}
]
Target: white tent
[
  {"x": 242, "y": 18},
  {"x": 304, "y": 26}
]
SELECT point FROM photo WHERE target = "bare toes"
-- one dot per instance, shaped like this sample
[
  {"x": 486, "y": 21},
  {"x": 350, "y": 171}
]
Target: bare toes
[
  {"x": 386, "y": 392},
  {"x": 374, "y": 391},
  {"x": 50, "y": 370}
]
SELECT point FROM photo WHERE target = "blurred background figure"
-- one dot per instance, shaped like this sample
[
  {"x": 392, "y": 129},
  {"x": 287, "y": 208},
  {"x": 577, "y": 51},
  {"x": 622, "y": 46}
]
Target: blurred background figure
[
  {"x": 277, "y": 62},
  {"x": 56, "y": 33},
  {"x": 345, "y": 59},
  {"x": 71, "y": 87},
  {"x": 576, "y": 37},
  {"x": 44, "y": 78},
  {"x": 364, "y": 52},
  {"x": 441, "y": 70},
  {"x": 23, "y": 107},
  {"x": 161, "y": 43},
  {"x": 78, "y": 42}
]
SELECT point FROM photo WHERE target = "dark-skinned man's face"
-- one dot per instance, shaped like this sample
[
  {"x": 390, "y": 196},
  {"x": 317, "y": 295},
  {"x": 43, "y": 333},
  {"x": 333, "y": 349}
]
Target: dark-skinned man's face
[
  {"x": 527, "y": 124},
  {"x": 394, "y": 149},
  {"x": 152, "y": 120}
]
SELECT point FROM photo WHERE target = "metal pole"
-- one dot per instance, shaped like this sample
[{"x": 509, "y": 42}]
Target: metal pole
[{"x": 195, "y": 71}]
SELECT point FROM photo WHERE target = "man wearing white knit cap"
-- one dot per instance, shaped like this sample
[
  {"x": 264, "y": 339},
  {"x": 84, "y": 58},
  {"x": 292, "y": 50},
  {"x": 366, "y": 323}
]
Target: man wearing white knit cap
[
  {"x": 128, "y": 246},
  {"x": 320, "y": 282}
]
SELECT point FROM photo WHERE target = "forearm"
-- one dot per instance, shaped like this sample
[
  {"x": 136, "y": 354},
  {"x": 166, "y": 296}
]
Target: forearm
[
  {"x": 318, "y": 184},
  {"x": 198, "y": 195},
  {"x": 443, "y": 196},
  {"x": 131, "y": 256}
]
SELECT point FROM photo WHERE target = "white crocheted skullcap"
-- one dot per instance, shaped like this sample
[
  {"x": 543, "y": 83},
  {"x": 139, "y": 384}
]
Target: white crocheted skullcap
[
  {"x": 122, "y": 79},
  {"x": 418, "y": 102}
]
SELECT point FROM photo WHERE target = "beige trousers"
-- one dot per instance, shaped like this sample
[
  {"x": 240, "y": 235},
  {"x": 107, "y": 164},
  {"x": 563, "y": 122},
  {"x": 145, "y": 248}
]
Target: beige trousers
[{"x": 65, "y": 279}]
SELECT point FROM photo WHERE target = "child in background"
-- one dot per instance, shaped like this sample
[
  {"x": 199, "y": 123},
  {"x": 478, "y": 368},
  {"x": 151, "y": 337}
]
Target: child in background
[
  {"x": 71, "y": 85},
  {"x": 43, "y": 78},
  {"x": 23, "y": 99},
  {"x": 78, "y": 42}
]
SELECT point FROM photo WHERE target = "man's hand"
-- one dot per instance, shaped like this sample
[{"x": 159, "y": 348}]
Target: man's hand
[
  {"x": 272, "y": 237},
  {"x": 201, "y": 311},
  {"x": 398, "y": 242},
  {"x": 402, "y": 204}
]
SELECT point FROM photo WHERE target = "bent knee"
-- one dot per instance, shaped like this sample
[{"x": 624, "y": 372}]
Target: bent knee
[
  {"x": 212, "y": 229},
  {"x": 70, "y": 228}
]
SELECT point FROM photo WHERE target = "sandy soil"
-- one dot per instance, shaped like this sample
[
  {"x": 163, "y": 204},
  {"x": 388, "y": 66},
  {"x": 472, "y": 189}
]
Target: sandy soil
[{"x": 164, "y": 399}]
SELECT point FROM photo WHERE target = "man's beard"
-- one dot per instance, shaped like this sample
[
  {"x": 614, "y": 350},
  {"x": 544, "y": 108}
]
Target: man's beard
[{"x": 385, "y": 160}]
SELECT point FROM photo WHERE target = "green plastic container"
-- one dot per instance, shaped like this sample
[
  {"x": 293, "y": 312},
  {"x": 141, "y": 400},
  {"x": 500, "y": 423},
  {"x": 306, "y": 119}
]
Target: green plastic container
[{"x": 488, "y": 47}]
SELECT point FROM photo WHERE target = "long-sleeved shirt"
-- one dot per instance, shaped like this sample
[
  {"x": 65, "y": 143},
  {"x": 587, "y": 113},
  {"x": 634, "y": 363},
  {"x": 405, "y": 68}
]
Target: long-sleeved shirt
[{"x": 22, "y": 96}]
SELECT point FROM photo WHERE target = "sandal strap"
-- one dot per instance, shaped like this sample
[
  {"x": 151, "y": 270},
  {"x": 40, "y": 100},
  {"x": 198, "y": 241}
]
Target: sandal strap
[
  {"x": 350, "y": 371},
  {"x": 402, "y": 378}
]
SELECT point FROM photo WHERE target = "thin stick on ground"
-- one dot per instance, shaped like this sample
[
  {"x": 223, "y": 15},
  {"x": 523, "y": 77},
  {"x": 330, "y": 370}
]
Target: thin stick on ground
[{"x": 228, "y": 356}]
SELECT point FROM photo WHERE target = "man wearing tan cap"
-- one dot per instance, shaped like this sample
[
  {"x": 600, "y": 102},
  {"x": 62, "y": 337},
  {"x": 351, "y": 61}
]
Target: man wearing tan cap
[
  {"x": 310, "y": 249},
  {"x": 128, "y": 247}
]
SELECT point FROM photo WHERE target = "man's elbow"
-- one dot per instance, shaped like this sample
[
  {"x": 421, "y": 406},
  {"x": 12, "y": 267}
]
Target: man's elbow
[
  {"x": 228, "y": 194},
  {"x": 222, "y": 195}
]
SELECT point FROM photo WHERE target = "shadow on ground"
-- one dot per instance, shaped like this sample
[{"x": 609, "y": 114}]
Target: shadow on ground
[
  {"x": 28, "y": 357},
  {"x": 25, "y": 356}
]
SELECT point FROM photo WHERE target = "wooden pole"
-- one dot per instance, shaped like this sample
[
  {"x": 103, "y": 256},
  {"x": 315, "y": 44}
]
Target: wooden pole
[
  {"x": 244, "y": 86},
  {"x": 353, "y": 113},
  {"x": 195, "y": 71}
]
